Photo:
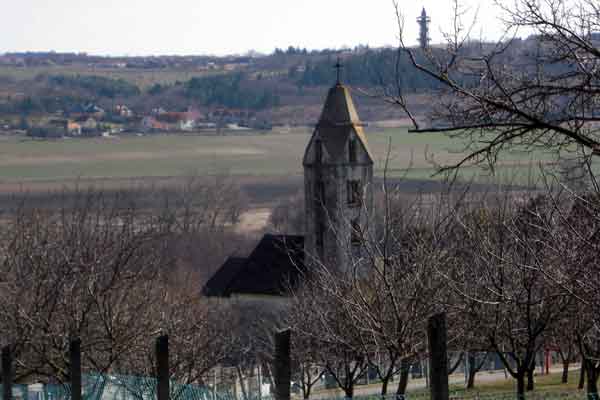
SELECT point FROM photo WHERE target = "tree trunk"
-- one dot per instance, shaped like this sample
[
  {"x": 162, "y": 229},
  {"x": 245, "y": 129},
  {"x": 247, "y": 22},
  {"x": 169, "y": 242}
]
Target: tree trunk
[
  {"x": 384, "y": 386},
  {"x": 520, "y": 385},
  {"x": 471, "y": 371},
  {"x": 565, "y": 373},
  {"x": 349, "y": 391},
  {"x": 242, "y": 384},
  {"x": 471, "y": 380},
  {"x": 581, "y": 376},
  {"x": 306, "y": 389},
  {"x": 592, "y": 380},
  {"x": 454, "y": 367},
  {"x": 530, "y": 383},
  {"x": 404, "y": 370},
  {"x": 305, "y": 381}
]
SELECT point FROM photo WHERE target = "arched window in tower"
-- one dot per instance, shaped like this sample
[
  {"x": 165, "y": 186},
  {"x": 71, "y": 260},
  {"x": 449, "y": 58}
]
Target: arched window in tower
[
  {"x": 352, "y": 150},
  {"x": 356, "y": 233},
  {"x": 318, "y": 151},
  {"x": 354, "y": 190}
]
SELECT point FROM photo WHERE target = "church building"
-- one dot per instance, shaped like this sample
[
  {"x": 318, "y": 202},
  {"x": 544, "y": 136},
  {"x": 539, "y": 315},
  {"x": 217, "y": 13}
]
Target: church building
[{"x": 338, "y": 180}]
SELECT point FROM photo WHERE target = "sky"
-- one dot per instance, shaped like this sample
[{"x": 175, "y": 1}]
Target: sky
[{"x": 219, "y": 27}]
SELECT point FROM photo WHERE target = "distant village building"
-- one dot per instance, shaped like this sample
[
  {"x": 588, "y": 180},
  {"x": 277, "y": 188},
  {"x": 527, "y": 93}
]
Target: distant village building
[
  {"x": 190, "y": 119},
  {"x": 151, "y": 124},
  {"x": 123, "y": 111},
  {"x": 90, "y": 125},
  {"x": 55, "y": 128},
  {"x": 338, "y": 177},
  {"x": 93, "y": 109},
  {"x": 73, "y": 128}
]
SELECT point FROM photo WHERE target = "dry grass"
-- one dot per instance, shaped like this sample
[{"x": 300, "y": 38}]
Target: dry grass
[{"x": 278, "y": 153}]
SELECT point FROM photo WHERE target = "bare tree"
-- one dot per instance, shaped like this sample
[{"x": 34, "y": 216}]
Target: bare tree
[
  {"x": 341, "y": 346},
  {"x": 538, "y": 93},
  {"x": 87, "y": 270},
  {"x": 578, "y": 274},
  {"x": 520, "y": 305},
  {"x": 372, "y": 312},
  {"x": 563, "y": 339}
]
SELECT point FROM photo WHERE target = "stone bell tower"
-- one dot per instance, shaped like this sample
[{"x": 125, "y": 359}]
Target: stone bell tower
[{"x": 338, "y": 180}]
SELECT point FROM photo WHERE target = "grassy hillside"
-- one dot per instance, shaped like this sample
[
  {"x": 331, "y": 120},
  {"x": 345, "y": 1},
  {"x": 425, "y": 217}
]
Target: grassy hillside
[{"x": 143, "y": 78}]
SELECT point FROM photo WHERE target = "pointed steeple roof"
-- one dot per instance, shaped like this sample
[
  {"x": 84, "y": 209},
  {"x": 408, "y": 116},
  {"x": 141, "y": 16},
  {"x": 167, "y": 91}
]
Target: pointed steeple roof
[
  {"x": 338, "y": 119},
  {"x": 339, "y": 108}
]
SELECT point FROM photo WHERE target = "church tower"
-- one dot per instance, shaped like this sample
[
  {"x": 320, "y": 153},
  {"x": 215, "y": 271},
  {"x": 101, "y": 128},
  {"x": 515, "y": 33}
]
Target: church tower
[{"x": 338, "y": 180}]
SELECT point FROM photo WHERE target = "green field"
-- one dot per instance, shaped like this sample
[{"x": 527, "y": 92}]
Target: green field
[
  {"x": 248, "y": 154},
  {"x": 547, "y": 387},
  {"x": 488, "y": 386}
]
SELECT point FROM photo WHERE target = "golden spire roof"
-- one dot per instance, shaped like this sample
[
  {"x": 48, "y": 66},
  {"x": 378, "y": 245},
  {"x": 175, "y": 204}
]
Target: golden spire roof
[{"x": 338, "y": 118}]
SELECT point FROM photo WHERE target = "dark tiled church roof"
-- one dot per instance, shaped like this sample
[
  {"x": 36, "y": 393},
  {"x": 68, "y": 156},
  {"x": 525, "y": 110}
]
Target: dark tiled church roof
[
  {"x": 274, "y": 265},
  {"x": 217, "y": 285}
]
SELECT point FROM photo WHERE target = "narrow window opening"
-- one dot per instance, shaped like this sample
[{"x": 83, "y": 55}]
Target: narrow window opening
[
  {"x": 318, "y": 151},
  {"x": 354, "y": 193},
  {"x": 356, "y": 233},
  {"x": 352, "y": 150}
]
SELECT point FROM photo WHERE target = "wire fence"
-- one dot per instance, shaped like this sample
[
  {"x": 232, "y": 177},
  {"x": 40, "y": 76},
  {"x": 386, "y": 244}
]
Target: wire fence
[
  {"x": 125, "y": 387},
  {"x": 114, "y": 387}
]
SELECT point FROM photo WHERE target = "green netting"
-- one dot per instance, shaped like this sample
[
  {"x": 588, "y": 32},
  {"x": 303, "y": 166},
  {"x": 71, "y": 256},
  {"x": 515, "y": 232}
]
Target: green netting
[
  {"x": 114, "y": 387},
  {"x": 126, "y": 387},
  {"x": 19, "y": 392}
]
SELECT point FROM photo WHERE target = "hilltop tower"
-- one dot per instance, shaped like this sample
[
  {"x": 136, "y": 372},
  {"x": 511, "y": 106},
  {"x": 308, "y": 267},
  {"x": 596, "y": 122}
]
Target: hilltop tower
[
  {"x": 423, "y": 22},
  {"x": 338, "y": 179}
]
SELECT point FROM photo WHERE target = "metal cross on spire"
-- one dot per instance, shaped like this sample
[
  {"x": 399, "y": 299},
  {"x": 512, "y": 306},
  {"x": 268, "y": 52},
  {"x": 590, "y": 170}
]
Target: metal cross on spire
[{"x": 338, "y": 66}]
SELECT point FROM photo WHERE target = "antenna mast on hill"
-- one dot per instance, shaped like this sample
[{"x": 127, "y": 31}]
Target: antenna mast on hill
[{"x": 423, "y": 22}]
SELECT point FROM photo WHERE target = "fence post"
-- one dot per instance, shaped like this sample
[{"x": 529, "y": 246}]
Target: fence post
[
  {"x": 282, "y": 375},
  {"x": 75, "y": 368},
  {"x": 7, "y": 373},
  {"x": 162, "y": 367},
  {"x": 438, "y": 356}
]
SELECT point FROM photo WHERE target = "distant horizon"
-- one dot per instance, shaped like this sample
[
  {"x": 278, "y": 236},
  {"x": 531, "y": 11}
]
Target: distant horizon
[
  {"x": 246, "y": 53},
  {"x": 144, "y": 28}
]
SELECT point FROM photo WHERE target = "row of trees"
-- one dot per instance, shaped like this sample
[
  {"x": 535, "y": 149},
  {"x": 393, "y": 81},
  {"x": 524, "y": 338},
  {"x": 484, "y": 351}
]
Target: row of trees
[
  {"x": 516, "y": 273},
  {"x": 229, "y": 91},
  {"x": 62, "y": 93},
  {"x": 114, "y": 270},
  {"x": 370, "y": 69}
]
